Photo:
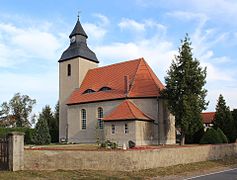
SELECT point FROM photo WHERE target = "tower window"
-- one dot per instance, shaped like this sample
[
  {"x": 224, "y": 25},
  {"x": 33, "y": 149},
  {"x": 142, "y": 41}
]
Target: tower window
[
  {"x": 100, "y": 116},
  {"x": 113, "y": 128},
  {"x": 126, "y": 128},
  {"x": 83, "y": 119},
  {"x": 69, "y": 70}
]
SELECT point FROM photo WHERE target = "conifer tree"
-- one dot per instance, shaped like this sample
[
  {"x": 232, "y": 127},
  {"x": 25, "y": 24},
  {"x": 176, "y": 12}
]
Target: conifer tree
[
  {"x": 55, "y": 130},
  {"x": 184, "y": 90},
  {"x": 48, "y": 116},
  {"x": 41, "y": 134},
  {"x": 223, "y": 119},
  {"x": 234, "y": 115}
]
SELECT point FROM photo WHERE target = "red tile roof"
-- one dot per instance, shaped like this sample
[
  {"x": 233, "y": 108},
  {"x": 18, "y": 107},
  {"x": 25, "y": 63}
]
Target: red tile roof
[
  {"x": 208, "y": 117},
  {"x": 126, "y": 111},
  {"x": 142, "y": 80}
]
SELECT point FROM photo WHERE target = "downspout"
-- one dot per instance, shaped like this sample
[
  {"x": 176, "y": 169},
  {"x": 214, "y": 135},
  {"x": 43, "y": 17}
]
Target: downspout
[
  {"x": 67, "y": 132},
  {"x": 158, "y": 113}
]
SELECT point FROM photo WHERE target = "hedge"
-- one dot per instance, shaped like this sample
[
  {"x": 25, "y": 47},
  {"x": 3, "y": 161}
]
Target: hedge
[{"x": 28, "y": 133}]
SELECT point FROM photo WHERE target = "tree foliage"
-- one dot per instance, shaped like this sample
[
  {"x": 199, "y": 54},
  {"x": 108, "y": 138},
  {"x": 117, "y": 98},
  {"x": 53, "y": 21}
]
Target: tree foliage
[
  {"x": 222, "y": 136},
  {"x": 56, "y": 115},
  {"x": 223, "y": 119},
  {"x": 54, "y": 128},
  {"x": 234, "y": 115},
  {"x": 211, "y": 136},
  {"x": 41, "y": 134},
  {"x": 16, "y": 112},
  {"x": 184, "y": 90}
]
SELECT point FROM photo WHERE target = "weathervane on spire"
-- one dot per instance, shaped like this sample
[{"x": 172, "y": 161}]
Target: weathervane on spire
[{"x": 78, "y": 14}]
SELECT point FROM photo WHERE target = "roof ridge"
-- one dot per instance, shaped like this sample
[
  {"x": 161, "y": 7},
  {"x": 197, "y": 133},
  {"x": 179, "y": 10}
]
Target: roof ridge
[
  {"x": 138, "y": 59},
  {"x": 127, "y": 101},
  {"x": 149, "y": 71},
  {"x": 133, "y": 81},
  {"x": 137, "y": 109}
]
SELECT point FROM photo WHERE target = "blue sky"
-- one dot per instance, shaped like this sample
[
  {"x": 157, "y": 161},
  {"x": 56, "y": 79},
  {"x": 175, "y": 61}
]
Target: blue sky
[{"x": 33, "y": 35}]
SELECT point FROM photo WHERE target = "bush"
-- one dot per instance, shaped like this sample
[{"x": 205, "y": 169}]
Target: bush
[
  {"x": 211, "y": 136},
  {"x": 109, "y": 144},
  {"x": 28, "y": 139},
  {"x": 222, "y": 136}
]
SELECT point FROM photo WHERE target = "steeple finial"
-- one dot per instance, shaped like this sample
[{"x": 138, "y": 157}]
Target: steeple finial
[
  {"x": 78, "y": 29},
  {"x": 78, "y": 15}
]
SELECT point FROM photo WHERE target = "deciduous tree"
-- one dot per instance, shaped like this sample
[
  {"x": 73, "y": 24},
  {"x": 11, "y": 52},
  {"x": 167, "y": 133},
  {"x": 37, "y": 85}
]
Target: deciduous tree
[{"x": 17, "y": 111}]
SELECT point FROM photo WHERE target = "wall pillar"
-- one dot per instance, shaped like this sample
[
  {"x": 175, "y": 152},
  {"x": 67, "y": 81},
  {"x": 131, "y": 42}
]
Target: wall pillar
[{"x": 16, "y": 151}]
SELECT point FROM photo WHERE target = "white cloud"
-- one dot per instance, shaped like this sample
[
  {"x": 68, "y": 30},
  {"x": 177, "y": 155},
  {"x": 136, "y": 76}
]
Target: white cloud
[
  {"x": 156, "y": 52},
  {"x": 221, "y": 10},
  {"x": 203, "y": 41},
  {"x": 139, "y": 27},
  {"x": 98, "y": 30},
  {"x": 103, "y": 19},
  {"x": 131, "y": 25},
  {"x": 18, "y": 45},
  {"x": 188, "y": 16},
  {"x": 43, "y": 87}
]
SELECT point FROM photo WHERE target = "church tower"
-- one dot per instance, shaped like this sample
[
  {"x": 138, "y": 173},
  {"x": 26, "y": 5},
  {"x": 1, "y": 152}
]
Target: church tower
[{"x": 74, "y": 63}]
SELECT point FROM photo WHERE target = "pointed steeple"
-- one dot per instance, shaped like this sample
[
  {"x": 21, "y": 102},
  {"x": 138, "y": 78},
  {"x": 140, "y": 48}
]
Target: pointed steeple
[
  {"x": 78, "y": 30},
  {"x": 78, "y": 45}
]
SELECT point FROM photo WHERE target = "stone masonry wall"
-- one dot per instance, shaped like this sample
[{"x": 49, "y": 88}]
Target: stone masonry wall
[{"x": 123, "y": 160}]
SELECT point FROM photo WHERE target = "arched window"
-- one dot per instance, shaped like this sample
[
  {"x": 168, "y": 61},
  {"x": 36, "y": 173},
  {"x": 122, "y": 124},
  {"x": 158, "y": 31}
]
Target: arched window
[
  {"x": 100, "y": 116},
  {"x": 83, "y": 119},
  {"x": 69, "y": 70}
]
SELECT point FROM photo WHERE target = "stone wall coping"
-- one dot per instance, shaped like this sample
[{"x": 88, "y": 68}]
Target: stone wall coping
[{"x": 143, "y": 148}]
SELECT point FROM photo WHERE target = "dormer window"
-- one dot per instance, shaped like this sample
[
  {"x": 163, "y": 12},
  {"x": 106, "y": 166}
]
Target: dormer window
[
  {"x": 88, "y": 91},
  {"x": 105, "y": 88}
]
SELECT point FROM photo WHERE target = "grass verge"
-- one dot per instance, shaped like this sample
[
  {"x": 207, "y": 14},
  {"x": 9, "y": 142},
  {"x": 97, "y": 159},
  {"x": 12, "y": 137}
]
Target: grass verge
[{"x": 142, "y": 174}]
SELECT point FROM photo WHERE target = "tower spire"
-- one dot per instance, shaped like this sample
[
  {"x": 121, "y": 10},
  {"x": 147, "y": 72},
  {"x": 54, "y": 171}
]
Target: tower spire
[
  {"x": 78, "y": 29},
  {"x": 78, "y": 46}
]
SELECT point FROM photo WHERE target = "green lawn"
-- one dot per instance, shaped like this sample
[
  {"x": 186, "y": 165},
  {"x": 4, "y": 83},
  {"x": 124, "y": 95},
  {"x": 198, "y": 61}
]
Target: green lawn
[{"x": 180, "y": 170}]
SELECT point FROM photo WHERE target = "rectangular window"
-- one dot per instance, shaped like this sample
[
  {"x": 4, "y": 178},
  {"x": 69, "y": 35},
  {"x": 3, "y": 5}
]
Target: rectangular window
[
  {"x": 126, "y": 128},
  {"x": 113, "y": 129}
]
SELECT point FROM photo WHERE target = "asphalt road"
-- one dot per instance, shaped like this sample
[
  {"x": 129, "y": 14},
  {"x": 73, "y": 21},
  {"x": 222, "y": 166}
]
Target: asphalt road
[{"x": 229, "y": 174}]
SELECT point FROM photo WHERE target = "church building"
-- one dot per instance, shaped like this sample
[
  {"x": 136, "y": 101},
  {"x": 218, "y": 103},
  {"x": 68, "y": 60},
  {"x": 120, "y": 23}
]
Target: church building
[{"x": 119, "y": 102}]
